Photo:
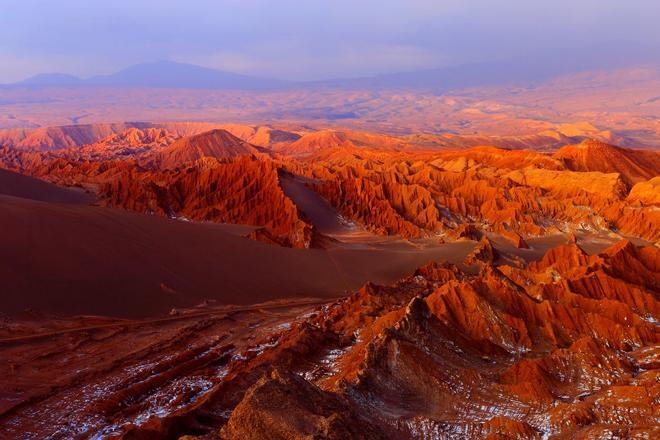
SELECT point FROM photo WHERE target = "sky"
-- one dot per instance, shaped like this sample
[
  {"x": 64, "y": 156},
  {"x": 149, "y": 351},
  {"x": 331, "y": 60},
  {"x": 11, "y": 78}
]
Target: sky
[{"x": 306, "y": 39}]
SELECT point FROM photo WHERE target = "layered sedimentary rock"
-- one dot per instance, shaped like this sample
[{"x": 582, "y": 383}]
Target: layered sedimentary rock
[
  {"x": 391, "y": 189},
  {"x": 217, "y": 144},
  {"x": 132, "y": 171},
  {"x": 632, "y": 165},
  {"x": 563, "y": 348},
  {"x": 517, "y": 194},
  {"x": 244, "y": 190}
]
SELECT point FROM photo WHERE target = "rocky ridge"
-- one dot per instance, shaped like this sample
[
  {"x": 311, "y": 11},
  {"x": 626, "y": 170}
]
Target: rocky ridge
[{"x": 563, "y": 348}]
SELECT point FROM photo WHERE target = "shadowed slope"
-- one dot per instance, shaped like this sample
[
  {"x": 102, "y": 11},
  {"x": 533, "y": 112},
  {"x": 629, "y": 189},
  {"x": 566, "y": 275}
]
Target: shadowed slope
[
  {"x": 18, "y": 185},
  {"x": 72, "y": 259},
  {"x": 563, "y": 348}
]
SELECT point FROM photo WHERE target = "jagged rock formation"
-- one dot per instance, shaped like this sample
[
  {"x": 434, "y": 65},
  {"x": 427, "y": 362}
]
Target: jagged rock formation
[
  {"x": 131, "y": 143},
  {"x": 590, "y": 155},
  {"x": 237, "y": 189},
  {"x": 53, "y": 138},
  {"x": 243, "y": 190},
  {"x": 467, "y": 231},
  {"x": 563, "y": 348},
  {"x": 390, "y": 190},
  {"x": 286, "y": 406},
  {"x": 513, "y": 193},
  {"x": 484, "y": 252},
  {"x": 556, "y": 349}
]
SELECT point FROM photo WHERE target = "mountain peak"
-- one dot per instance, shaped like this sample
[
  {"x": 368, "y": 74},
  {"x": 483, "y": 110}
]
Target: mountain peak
[
  {"x": 596, "y": 145},
  {"x": 591, "y": 155},
  {"x": 160, "y": 74},
  {"x": 49, "y": 79},
  {"x": 172, "y": 74},
  {"x": 217, "y": 143}
]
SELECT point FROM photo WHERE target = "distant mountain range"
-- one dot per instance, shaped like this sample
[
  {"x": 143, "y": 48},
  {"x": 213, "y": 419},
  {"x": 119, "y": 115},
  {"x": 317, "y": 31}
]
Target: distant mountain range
[
  {"x": 159, "y": 74},
  {"x": 528, "y": 68}
]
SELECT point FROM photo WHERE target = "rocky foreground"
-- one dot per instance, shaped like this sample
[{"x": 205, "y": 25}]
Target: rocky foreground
[{"x": 564, "y": 347}]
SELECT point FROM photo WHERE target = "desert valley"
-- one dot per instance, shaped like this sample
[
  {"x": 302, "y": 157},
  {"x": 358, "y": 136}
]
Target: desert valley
[
  {"x": 360, "y": 280},
  {"x": 464, "y": 251}
]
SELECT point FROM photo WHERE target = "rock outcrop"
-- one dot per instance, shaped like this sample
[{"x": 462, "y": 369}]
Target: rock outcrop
[
  {"x": 389, "y": 190},
  {"x": 562, "y": 348},
  {"x": 633, "y": 166},
  {"x": 216, "y": 144},
  {"x": 286, "y": 406}
]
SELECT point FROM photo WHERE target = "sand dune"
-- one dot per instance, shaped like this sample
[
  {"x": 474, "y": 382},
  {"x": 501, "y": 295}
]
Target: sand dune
[
  {"x": 315, "y": 209},
  {"x": 73, "y": 259},
  {"x": 18, "y": 185},
  {"x": 524, "y": 335}
]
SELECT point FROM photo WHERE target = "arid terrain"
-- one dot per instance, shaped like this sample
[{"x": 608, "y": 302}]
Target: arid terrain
[
  {"x": 330, "y": 220},
  {"x": 212, "y": 280},
  {"x": 615, "y": 106},
  {"x": 566, "y": 347}
]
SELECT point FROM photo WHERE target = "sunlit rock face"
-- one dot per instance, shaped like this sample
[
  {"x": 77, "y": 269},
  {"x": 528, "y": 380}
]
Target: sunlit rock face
[
  {"x": 565, "y": 347},
  {"x": 387, "y": 185},
  {"x": 519, "y": 339}
]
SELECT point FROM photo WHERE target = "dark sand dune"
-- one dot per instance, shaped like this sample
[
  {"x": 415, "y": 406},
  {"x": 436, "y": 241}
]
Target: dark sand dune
[
  {"x": 317, "y": 210},
  {"x": 75, "y": 259},
  {"x": 18, "y": 185}
]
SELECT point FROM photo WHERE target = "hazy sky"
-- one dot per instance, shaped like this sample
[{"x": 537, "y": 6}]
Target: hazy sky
[{"x": 306, "y": 39}]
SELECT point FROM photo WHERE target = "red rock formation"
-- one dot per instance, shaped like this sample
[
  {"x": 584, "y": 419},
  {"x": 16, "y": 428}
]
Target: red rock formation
[
  {"x": 243, "y": 190},
  {"x": 285, "y": 406},
  {"x": 525, "y": 355},
  {"x": 392, "y": 190},
  {"x": 68, "y": 136},
  {"x": 646, "y": 193},
  {"x": 132, "y": 143},
  {"x": 432, "y": 193},
  {"x": 632, "y": 165},
  {"x": 564, "y": 347},
  {"x": 361, "y": 200},
  {"x": 467, "y": 231},
  {"x": 271, "y": 137},
  {"x": 484, "y": 252},
  {"x": 500, "y": 158},
  {"x": 217, "y": 144},
  {"x": 319, "y": 140}
]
